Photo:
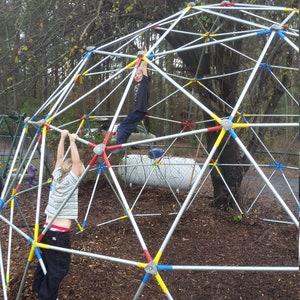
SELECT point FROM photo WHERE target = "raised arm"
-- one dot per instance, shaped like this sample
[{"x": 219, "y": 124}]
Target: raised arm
[
  {"x": 76, "y": 162},
  {"x": 144, "y": 64},
  {"x": 61, "y": 149}
]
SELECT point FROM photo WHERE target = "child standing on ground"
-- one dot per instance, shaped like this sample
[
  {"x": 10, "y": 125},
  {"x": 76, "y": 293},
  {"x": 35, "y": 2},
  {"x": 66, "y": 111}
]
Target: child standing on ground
[
  {"x": 57, "y": 263},
  {"x": 141, "y": 98}
]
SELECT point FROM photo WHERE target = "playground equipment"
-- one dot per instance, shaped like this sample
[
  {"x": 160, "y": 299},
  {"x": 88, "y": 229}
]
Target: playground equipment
[
  {"x": 257, "y": 24},
  {"x": 10, "y": 129}
]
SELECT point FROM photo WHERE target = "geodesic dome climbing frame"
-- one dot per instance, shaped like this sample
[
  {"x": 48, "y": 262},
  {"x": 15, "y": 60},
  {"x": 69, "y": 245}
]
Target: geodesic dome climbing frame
[{"x": 262, "y": 25}]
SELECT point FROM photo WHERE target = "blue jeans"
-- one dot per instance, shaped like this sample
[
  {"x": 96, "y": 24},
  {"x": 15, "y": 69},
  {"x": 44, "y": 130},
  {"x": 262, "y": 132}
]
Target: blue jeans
[
  {"x": 128, "y": 125},
  {"x": 57, "y": 264}
]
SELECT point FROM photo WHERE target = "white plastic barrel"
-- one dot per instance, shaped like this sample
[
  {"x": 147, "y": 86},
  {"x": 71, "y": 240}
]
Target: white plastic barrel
[{"x": 176, "y": 172}]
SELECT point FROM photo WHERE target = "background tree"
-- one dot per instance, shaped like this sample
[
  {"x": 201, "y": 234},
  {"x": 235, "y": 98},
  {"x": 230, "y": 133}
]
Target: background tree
[{"x": 42, "y": 40}]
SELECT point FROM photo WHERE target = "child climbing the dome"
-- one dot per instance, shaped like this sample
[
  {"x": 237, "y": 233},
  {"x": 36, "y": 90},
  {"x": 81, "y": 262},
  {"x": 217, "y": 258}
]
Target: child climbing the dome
[
  {"x": 65, "y": 177},
  {"x": 141, "y": 104}
]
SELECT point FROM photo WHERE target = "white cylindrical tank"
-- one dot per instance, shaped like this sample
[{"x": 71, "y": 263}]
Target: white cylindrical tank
[{"x": 176, "y": 172}]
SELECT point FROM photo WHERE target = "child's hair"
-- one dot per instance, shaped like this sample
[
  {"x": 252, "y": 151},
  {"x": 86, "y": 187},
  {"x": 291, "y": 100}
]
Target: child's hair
[{"x": 66, "y": 167}]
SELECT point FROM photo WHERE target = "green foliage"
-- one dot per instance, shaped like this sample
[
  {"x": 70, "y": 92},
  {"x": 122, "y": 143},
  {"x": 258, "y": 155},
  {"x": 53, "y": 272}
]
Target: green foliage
[
  {"x": 238, "y": 218},
  {"x": 30, "y": 106},
  {"x": 129, "y": 8}
]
